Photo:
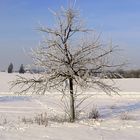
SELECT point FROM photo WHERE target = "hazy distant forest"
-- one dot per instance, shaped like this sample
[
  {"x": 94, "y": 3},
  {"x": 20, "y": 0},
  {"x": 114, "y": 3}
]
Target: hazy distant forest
[{"x": 120, "y": 73}]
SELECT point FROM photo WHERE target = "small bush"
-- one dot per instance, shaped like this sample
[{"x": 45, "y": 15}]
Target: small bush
[
  {"x": 59, "y": 119},
  {"x": 125, "y": 116},
  {"x": 94, "y": 114},
  {"x": 40, "y": 119},
  {"x": 27, "y": 120},
  {"x": 3, "y": 120},
  {"x": 77, "y": 114},
  {"x": 113, "y": 107}
]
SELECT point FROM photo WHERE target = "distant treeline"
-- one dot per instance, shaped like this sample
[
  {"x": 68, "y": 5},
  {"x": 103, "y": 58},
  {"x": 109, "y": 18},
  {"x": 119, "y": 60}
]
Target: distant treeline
[
  {"x": 117, "y": 73},
  {"x": 109, "y": 74},
  {"x": 128, "y": 73}
]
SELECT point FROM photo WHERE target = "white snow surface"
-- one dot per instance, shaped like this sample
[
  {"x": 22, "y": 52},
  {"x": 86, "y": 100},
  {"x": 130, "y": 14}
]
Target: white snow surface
[{"x": 119, "y": 114}]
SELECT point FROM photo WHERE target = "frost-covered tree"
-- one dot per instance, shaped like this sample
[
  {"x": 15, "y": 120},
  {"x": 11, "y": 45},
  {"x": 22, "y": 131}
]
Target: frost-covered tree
[
  {"x": 10, "y": 68},
  {"x": 72, "y": 58}
]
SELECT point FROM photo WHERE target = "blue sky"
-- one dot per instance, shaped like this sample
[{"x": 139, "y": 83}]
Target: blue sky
[{"x": 118, "y": 20}]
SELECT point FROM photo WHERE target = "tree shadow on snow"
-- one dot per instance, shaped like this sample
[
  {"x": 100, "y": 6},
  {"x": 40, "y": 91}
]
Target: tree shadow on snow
[
  {"x": 13, "y": 98},
  {"x": 107, "y": 112}
]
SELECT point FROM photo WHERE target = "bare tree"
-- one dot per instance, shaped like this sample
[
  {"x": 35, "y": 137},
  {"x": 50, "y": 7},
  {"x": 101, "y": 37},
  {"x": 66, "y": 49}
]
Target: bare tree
[{"x": 70, "y": 54}]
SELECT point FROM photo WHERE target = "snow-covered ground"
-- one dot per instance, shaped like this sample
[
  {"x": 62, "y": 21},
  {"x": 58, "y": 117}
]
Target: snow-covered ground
[{"x": 119, "y": 115}]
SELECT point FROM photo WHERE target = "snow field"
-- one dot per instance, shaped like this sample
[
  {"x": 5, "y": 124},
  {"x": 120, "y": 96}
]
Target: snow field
[{"x": 119, "y": 115}]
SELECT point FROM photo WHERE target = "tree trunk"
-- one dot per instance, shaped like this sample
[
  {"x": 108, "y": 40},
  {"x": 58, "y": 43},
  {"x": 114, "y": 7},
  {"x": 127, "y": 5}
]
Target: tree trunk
[{"x": 72, "y": 108}]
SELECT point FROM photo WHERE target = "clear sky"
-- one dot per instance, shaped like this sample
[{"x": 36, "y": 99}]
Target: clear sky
[{"x": 118, "y": 20}]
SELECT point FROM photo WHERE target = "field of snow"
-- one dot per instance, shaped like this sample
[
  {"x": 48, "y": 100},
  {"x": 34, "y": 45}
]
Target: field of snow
[{"x": 119, "y": 115}]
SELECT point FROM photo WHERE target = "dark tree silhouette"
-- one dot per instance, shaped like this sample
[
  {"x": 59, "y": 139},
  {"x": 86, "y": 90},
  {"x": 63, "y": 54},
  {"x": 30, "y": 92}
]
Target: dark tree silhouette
[
  {"x": 10, "y": 68},
  {"x": 21, "y": 70}
]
